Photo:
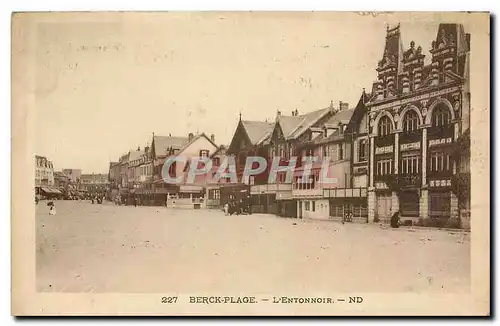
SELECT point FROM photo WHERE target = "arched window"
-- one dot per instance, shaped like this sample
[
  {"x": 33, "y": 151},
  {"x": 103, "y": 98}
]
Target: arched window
[
  {"x": 410, "y": 121},
  {"x": 384, "y": 126},
  {"x": 441, "y": 116}
]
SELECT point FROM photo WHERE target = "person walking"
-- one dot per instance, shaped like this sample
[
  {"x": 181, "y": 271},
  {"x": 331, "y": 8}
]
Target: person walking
[{"x": 52, "y": 209}]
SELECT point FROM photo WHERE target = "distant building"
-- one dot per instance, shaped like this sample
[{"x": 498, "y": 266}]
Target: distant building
[
  {"x": 44, "y": 178},
  {"x": 44, "y": 173},
  {"x": 94, "y": 182},
  {"x": 61, "y": 180},
  {"x": 73, "y": 174}
]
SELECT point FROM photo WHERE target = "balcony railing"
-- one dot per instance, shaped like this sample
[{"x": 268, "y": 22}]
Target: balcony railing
[{"x": 314, "y": 192}]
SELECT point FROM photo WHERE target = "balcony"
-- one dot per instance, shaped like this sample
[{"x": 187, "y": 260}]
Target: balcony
[
  {"x": 344, "y": 193},
  {"x": 308, "y": 193},
  {"x": 271, "y": 188}
]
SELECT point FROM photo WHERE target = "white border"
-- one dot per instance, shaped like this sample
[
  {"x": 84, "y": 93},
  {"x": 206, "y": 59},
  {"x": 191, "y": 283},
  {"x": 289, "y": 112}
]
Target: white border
[{"x": 84, "y": 5}]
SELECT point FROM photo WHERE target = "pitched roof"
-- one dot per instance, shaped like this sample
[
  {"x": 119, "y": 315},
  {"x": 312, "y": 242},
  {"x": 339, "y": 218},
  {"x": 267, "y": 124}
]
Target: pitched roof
[
  {"x": 257, "y": 131},
  {"x": 163, "y": 143},
  {"x": 343, "y": 117},
  {"x": 196, "y": 137},
  {"x": 358, "y": 112},
  {"x": 294, "y": 126},
  {"x": 340, "y": 117},
  {"x": 135, "y": 155}
]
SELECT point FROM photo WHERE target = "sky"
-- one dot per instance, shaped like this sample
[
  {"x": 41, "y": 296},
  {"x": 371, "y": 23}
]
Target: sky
[{"x": 105, "y": 82}]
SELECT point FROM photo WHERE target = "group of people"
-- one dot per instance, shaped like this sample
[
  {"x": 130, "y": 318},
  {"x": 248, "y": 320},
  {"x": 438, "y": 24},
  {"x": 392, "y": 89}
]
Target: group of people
[{"x": 238, "y": 207}]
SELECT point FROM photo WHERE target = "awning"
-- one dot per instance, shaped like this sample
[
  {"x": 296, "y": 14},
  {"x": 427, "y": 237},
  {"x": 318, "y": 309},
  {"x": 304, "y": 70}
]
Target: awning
[{"x": 49, "y": 190}]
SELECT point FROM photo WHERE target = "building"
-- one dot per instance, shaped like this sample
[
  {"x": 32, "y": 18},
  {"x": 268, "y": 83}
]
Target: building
[
  {"x": 287, "y": 137},
  {"x": 251, "y": 138},
  {"x": 213, "y": 189},
  {"x": 44, "y": 171},
  {"x": 146, "y": 177},
  {"x": 94, "y": 183},
  {"x": 122, "y": 180},
  {"x": 44, "y": 178},
  {"x": 185, "y": 148},
  {"x": 135, "y": 160},
  {"x": 161, "y": 148},
  {"x": 331, "y": 144},
  {"x": 417, "y": 113},
  {"x": 73, "y": 175},
  {"x": 114, "y": 179}
]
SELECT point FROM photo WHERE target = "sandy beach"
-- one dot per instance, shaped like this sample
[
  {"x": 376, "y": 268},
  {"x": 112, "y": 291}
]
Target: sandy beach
[{"x": 108, "y": 248}]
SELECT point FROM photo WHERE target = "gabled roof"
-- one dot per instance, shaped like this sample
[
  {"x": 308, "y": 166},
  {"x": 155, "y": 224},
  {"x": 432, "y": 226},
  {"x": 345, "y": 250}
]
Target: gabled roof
[
  {"x": 221, "y": 150},
  {"x": 295, "y": 126},
  {"x": 135, "y": 155},
  {"x": 196, "y": 137},
  {"x": 343, "y": 117},
  {"x": 163, "y": 143},
  {"x": 257, "y": 131}
]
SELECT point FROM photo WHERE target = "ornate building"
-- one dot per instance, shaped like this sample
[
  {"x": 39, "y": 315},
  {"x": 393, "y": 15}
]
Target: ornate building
[{"x": 417, "y": 112}]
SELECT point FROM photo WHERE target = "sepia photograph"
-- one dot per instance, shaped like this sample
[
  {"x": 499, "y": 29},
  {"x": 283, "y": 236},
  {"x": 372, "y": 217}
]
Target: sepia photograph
[{"x": 250, "y": 163}]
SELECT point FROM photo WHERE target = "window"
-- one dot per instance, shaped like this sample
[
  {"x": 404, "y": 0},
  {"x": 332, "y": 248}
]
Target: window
[
  {"x": 440, "y": 117},
  {"x": 340, "y": 152},
  {"x": 384, "y": 167},
  {"x": 216, "y": 161},
  {"x": 325, "y": 151},
  {"x": 309, "y": 152},
  {"x": 363, "y": 150},
  {"x": 204, "y": 153},
  {"x": 307, "y": 205},
  {"x": 410, "y": 121},
  {"x": 384, "y": 126},
  {"x": 313, "y": 206},
  {"x": 439, "y": 161},
  {"x": 410, "y": 164}
]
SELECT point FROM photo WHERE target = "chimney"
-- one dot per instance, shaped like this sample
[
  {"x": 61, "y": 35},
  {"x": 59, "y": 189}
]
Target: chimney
[
  {"x": 279, "y": 112},
  {"x": 293, "y": 113},
  {"x": 190, "y": 136},
  {"x": 138, "y": 148},
  {"x": 212, "y": 138},
  {"x": 146, "y": 149},
  {"x": 296, "y": 112}
]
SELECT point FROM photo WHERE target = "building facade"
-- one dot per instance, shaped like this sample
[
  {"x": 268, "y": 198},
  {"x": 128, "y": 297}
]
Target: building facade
[
  {"x": 251, "y": 138},
  {"x": 73, "y": 174},
  {"x": 417, "y": 112},
  {"x": 44, "y": 171}
]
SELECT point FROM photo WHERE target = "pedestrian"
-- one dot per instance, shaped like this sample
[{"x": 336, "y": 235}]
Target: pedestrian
[
  {"x": 52, "y": 210},
  {"x": 395, "y": 222},
  {"x": 226, "y": 209},
  {"x": 135, "y": 202}
]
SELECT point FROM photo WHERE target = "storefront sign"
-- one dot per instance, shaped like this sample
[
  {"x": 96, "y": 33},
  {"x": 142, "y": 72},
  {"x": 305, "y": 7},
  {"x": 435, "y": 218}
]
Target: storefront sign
[
  {"x": 415, "y": 98},
  {"x": 410, "y": 146},
  {"x": 441, "y": 141},
  {"x": 381, "y": 185},
  {"x": 384, "y": 150},
  {"x": 440, "y": 183}
]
